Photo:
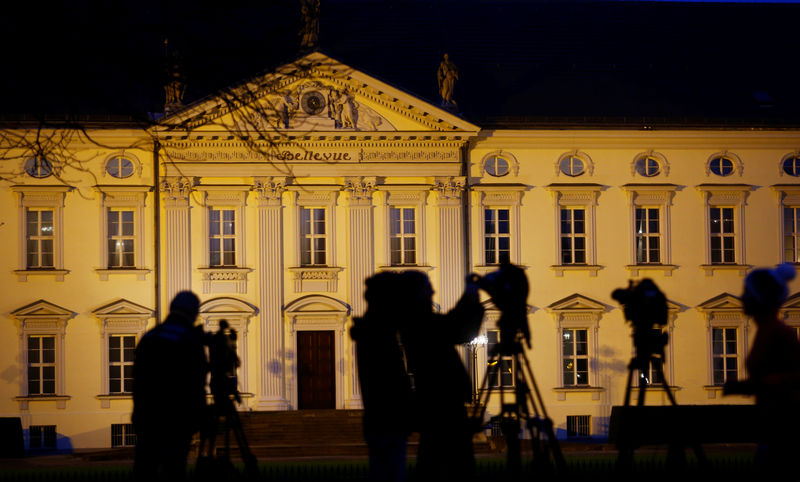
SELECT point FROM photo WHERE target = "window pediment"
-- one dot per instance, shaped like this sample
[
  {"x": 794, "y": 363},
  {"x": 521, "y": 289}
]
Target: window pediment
[
  {"x": 42, "y": 309},
  {"x": 123, "y": 308},
  {"x": 227, "y": 306},
  {"x": 577, "y": 303},
  {"x": 725, "y": 302},
  {"x": 316, "y": 304}
]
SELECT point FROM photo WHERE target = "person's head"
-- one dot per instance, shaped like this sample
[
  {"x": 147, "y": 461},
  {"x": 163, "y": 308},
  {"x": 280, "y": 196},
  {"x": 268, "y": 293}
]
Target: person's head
[
  {"x": 380, "y": 290},
  {"x": 185, "y": 304},
  {"x": 417, "y": 290},
  {"x": 765, "y": 290}
]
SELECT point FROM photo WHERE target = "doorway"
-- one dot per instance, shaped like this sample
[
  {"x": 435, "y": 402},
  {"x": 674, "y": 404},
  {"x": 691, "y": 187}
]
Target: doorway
[{"x": 316, "y": 386}]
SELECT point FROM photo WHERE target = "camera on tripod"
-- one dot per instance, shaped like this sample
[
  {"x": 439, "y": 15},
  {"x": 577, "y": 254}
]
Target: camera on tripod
[
  {"x": 645, "y": 307},
  {"x": 508, "y": 288},
  {"x": 223, "y": 362}
]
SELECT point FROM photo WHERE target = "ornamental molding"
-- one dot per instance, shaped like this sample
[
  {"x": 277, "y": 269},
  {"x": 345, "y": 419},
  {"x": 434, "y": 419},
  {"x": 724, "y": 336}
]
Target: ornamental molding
[
  {"x": 787, "y": 194},
  {"x": 720, "y": 194},
  {"x": 649, "y": 194},
  {"x": 315, "y": 278},
  {"x": 663, "y": 164},
  {"x": 360, "y": 189},
  {"x": 575, "y": 194},
  {"x": 269, "y": 190},
  {"x": 449, "y": 189},
  {"x": 224, "y": 195},
  {"x": 315, "y": 195},
  {"x": 176, "y": 190},
  {"x": 224, "y": 280},
  {"x": 41, "y": 196},
  {"x": 396, "y": 195},
  {"x": 112, "y": 196}
]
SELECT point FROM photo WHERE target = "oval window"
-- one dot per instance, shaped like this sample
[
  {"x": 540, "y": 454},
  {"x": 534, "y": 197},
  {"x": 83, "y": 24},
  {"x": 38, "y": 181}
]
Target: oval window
[
  {"x": 120, "y": 167},
  {"x": 791, "y": 166},
  {"x": 572, "y": 166},
  {"x": 38, "y": 167},
  {"x": 648, "y": 166},
  {"x": 496, "y": 166},
  {"x": 721, "y": 166}
]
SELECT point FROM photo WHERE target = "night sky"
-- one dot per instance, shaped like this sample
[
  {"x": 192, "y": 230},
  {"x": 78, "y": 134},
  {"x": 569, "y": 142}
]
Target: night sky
[{"x": 522, "y": 62}]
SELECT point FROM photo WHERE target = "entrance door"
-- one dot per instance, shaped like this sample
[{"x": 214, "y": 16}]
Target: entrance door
[{"x": 316, "y": 387}]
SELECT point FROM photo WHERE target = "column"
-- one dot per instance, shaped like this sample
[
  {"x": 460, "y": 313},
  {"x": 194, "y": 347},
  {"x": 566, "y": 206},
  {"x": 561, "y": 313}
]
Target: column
[
  {"x": 361, "y": 262},
  {"x": 451, "y": 240},
  {"x": 271, "y": 367},
  {"x": 177, "y": 235}
]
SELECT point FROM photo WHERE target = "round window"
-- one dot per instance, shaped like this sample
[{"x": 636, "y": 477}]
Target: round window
[
  {"x": 120, "y": 167},
  {"x": 791, "y": 166},
  {"x": 496, "y": 166},
  {"x": 648, "y": 166},
  {"x": 38, "y": 167},
  {"x": 312, "y": 102},
  {"x": 572, "y": 166},
  {"x": 721, "y": 166}
]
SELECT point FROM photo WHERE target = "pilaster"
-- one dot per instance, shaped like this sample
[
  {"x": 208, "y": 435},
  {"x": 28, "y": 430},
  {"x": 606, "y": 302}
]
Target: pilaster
[
  {"x": 451, "y": 240},
  {"x": 177, "y": 234}
]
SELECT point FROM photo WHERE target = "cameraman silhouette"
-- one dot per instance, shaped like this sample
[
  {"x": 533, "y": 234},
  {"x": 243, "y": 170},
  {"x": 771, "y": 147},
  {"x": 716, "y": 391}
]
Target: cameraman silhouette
[
  {"x": 169, "y": 396},
  {"x": 442, "y": 385}
]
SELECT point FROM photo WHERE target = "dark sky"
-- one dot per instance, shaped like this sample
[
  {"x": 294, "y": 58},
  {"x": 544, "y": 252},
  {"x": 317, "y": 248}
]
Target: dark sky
[{"x": 518, "y": 59}]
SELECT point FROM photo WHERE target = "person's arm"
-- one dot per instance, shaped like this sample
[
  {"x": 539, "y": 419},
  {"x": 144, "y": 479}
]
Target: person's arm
[{"x": 464, "y": 321}]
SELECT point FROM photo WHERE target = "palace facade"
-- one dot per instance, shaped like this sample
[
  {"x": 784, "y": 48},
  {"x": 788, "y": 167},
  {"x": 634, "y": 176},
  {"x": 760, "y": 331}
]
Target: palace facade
[{"x": 275, "y": 200}]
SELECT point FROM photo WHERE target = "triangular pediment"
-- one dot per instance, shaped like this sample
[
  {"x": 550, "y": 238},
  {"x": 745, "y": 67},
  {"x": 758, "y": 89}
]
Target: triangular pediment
[
  {"x": 123, "y": 307},
  {"x": 42, "y": 309},
  {"x": 723, "y": 302},
  {"x": 576, "y": 302},
  {"x": 227, "y": 305},
  {"x": 311, "y": 96}
]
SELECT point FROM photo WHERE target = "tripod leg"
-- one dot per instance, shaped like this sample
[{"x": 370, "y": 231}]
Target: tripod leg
[{"x": 250, "y": 463}]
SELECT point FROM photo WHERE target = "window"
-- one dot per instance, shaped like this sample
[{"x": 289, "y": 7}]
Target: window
[
  {"x": 655, "y": 370},
  {"x": 41, "y": 365},
  {"x": 791, "y": 234},
  {"x": 650, "y": 221},
  {"x": 724, "y": 164},
  {"x": 497, "y": 236},
  {"x": 572, "y": 166},
  {"x": 648, "y": 166},
  {"x": 42, "y": 330},
  {"x": 40, "y": 238},
  {"x": 121, "y": 238},
  {"x": 724, "y": 349},
  {"x": 123, "y": 435},
  {"x": 579, "y": 426},
  {"x": 120, "y": 363},
  {"x": 402, "y": 236},
  {"x": 727, "y": 340},
  {"x": 724, "y": 227},
  {"x": 38, "y": 167},
  {"x": 313, "y": 237},
  {"x": 578, "y": 319},
  {"x": 496, "y": 166},
  {"x": 575, "y": 356},
  {"x": 791, "y": 165},
  {"x": 42, "y": 437},
  {"x": 221, "y": 237},
  {"x": 501, "y": 370},
  {"x": 723, "y": 235},
  {"x": 648, "y": 235},
  {"x": 573, "y": 236},
  {"x": 575, "y": 241},
  {"x": 120, "y": 167}
]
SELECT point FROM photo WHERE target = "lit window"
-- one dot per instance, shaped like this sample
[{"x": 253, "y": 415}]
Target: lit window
[
  {"x": 496, "y": 166},
  {"x": 791, "y": 166},
  {"x": 648, "y": 235},
  {"x": 722, "y": 235},
  {"x": 722, "y": 166},
  {"x": 655, "y": 369},
  {"x": 572, "y": 166},
  {"x": 497, "y": 236},
  {"x": 38, "y": 167},
  {"x": 501, "y": 369},
  {"x": 40, "y": 238},
  {"x": 791, "y": 234},
  {"x": 121, "y": 238},
  {"x": 313, "y": 237},
  {"x": 123, "y": 435},
  {"x": 120, "y": 363},
  {"x": 573, "y": 236},
  {"x": 579, "y": 426},
  {"x": 120, "y": 167},
  {"x": 402, "y": 236},
  {"x": 575, "y": 246},
  {"x": 725, "y": 354},
  {"x": 41, "y": 364},
  {"x": 575, "y": 356},
  {"x": 221, "y": 237},
  {"x": 724, "y": 221},
  {"x": 648, "y": 166}
]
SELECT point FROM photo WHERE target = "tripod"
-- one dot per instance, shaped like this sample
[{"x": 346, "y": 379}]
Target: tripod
[
  {"x": 676, "y": 457},
  {"x": 524, "y": 406},
  {"x": 212, "y": 461}
]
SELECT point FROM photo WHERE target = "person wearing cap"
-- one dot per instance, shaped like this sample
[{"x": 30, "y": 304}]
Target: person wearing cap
[
  {"x": 169, "y": 396},
  {"x": 773, "y": 367}
]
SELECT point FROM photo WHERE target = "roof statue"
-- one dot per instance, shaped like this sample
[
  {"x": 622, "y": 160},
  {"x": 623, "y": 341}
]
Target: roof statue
[
  {"x": 447, "y": 76},
  {"x": 309, "y": 34},
  {"x": 174, "y": 87}
]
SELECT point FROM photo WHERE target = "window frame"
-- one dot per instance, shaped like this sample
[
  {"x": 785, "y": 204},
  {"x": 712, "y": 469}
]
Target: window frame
[
  {"x": 658, "y": 158},
  {"x": 41, "y": 198},
  {"x": 717, "y": 196},
  {"x": 402, "y": 197},
  {"x": 123, "y": 198},
  {"x": 736, "y": 164},
  {"x": 788, "y": 197},
  {"x": 795, "y": 156},
  {"x": 127, "y": 434},
  {"x": 724, "y": 311},
  {"x": 316, "y": 277},
  {"x": 576, "y": 196},
  {"x": 588, "y": 164},
  {"x": 403, "y": 235},
  {"x": 492, "y": 196},
  {"x": 238, "y": 314}
]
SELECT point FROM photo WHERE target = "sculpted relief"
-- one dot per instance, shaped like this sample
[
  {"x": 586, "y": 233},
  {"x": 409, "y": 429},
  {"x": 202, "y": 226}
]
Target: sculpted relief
[{"x": 314, "y": 106}]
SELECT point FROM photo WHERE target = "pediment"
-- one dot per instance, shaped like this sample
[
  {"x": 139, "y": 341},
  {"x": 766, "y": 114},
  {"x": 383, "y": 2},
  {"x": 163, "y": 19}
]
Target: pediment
[
  {"x": 316, "y": 304},
  {"x": 313, "y": 95},
  {"x": 42, "y": 309},
  {"x": 488, "y": 306},
  {"x": 576, "y": 302},
  {"x": 123, "y": 308},
  {"x": 226, "y": 305},
  {"x": 723, "y": 302}
]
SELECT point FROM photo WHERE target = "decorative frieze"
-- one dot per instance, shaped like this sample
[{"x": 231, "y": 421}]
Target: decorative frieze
[
  {"x": 269, "y": 190},
  {"x": 315, "y": 278},
  {"x": 224, "y": 280}
]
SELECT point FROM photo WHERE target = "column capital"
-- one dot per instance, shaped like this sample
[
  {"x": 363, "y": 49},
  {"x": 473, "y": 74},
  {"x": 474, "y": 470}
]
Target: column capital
[
  {"x": 449, "y": 189},
  {"x": 176, "y": 190},
  {"x": 360, "y": 189},
  {"x": 269, "y": 190}
]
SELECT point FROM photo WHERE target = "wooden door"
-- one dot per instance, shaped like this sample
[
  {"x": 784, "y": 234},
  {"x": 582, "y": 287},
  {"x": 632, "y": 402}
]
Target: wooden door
[{"x": 316, "y": 386}]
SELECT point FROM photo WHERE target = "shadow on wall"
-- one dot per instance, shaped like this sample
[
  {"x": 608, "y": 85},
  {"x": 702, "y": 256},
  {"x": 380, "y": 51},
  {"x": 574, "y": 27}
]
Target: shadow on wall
[{"x": 45, "y": 439}]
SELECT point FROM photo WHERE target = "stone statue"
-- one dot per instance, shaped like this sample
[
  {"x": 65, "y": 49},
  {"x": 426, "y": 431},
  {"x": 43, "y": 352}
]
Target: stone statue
[
  {"x": 447, "y": 76},
  {"x": 284, "y": 107},
  {"x": 342, "y": 109},
  {"x": 309, "y": 34},
  {"x": 175, "y": 86}
]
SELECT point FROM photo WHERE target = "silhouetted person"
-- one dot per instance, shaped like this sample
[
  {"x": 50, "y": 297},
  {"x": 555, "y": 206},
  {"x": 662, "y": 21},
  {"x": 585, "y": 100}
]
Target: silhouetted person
[
  {"x": 442, "y": 385},
  {"x": 224, "y": 361},
  {"x": 773, "y": 365},
  {"x": 385, "y": 385},
  {"x": 169, "y": 394}
]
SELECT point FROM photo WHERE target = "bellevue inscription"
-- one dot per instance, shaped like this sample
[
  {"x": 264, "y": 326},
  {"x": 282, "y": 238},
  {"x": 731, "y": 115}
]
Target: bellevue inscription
[{"x": 311, "y": 155}]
